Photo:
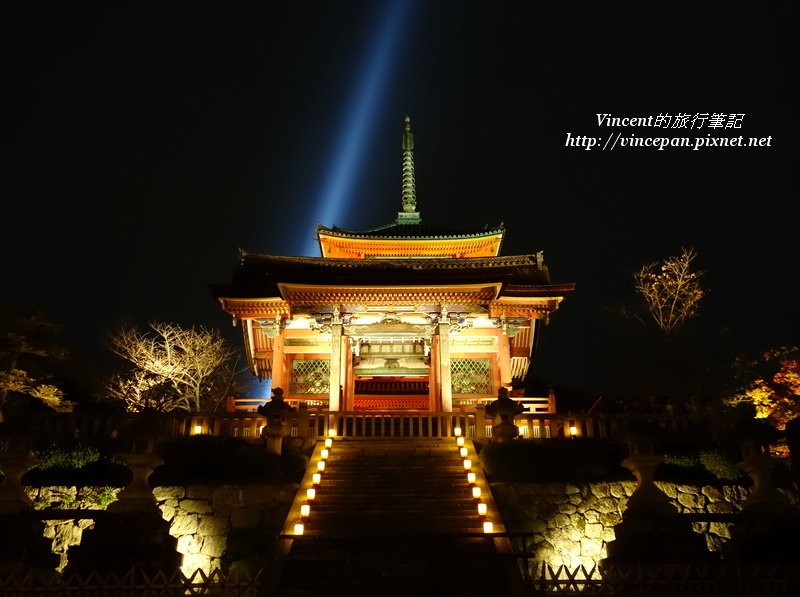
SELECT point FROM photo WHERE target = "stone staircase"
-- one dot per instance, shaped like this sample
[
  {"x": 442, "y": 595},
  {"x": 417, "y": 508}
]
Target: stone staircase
[{"x": 393, "y": 517}]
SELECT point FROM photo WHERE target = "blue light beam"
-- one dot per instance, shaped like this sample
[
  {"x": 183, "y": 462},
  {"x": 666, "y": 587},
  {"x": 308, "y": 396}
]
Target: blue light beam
[{"x": 340, "y": 179}]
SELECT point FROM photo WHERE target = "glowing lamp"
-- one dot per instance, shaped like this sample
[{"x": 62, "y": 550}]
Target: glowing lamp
[
  {"x": 467, "y": 464},
  {"x": 316, "y": 478},
  {"x": 470, "y": 477},
  {"x": 332, "y": 432},
  {"x": 573, "y": 429},
  {"x": 457, "y": 431},
  {"x": 476, "y": 492},
  {"x": 324, "y": 453},
  {"x": 482, "y": 509},
  {"x": 488, "y": 527},
  {"x": 198, "y": 429},
  {"x": 311, "y": 493},
  {"x": 321, "y": 465},
  {"x": 328, "y": 442},
  {"x": 463, "y": 452},
  {"x": 460, "y": 440},
  {"x": 298, "y": 528},
  {"x": 305, "y": 509}
]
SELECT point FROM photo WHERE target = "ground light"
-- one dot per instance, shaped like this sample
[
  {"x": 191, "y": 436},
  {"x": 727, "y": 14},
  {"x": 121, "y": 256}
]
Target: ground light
[
  {"x": 316, "y": 478},
  {"x": 457, "y": 431},
  {"x": 482, "y": 508},
  {"x": 299, "y": 528},
  {"x": 460, "y": 441},
  {"x": 467, "y": 464},
  {"x": 476, "y": 492},
  {"x": 305, "y": 510},
  {"x": 488, "y": 526},
  {"x": 471, "y": 478}
]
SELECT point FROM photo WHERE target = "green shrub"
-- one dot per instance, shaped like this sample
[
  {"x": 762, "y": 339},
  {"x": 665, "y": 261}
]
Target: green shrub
[
  {"x": 104, "y": 497},
  {"x": 720, "y": 466},
  {"x": 56, "y": 457}
]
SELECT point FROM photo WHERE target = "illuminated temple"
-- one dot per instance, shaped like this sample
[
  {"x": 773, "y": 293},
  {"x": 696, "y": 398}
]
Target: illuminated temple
[{"x": 400, "y": 317}]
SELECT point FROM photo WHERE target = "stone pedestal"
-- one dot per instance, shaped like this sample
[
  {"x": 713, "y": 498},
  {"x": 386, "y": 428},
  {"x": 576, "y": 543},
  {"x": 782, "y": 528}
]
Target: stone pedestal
[
  {"x": 22, "y": 542},
  {"x": 132, "y": 532},
  {"x": 768, "y": 523},
  {"x": 652, "y": 530},
  {"x": 15, "y": 460}
]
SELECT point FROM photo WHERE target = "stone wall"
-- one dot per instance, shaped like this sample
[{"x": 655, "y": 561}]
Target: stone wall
[
  {"x": 201, "y": 517},
  {"x": 572, "y": 522}
]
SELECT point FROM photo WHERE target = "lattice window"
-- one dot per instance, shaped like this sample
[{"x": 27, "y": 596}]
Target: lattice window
[
  {"x": 471, "y": 376},
  {"x": 310, "y": 376}
]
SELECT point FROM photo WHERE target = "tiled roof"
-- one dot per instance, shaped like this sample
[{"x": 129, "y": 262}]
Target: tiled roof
[
  {"x": 259, "y": 274},
  {"x": 411, "y": 231}
]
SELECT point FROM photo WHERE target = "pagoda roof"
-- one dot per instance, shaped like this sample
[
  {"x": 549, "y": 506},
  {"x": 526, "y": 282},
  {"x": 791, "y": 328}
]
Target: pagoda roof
[
  {"x": 417, "y": 231},
  {"x": 260, "y": 275}
]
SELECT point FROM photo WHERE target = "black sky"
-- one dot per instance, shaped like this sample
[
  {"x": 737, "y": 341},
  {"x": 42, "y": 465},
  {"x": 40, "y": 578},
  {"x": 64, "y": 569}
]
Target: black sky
[{"x": 146, "y": 142}]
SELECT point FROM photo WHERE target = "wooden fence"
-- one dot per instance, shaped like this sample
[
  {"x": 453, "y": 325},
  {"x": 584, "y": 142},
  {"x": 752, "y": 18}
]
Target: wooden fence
[
  {"x": 707, "y": 580},
  {"x": 132, "y": 583}
]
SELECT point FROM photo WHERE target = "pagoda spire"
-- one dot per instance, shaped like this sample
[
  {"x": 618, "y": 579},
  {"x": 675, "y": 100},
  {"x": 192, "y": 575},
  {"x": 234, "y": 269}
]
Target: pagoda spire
[{"x": 409, "y": 197}]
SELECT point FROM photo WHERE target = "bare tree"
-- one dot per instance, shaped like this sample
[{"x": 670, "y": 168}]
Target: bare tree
[
  {"x": 671, "y": 290},
  {"x": 173, "y": 368}
]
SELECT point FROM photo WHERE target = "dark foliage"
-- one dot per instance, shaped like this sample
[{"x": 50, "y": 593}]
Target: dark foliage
[
  {"x": 214, "y": 460},
  {"x": 552, "y": 460}
]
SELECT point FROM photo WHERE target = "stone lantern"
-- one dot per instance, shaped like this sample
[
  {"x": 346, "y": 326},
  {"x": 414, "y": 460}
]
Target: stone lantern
[
  {"x": 503, "y": 410},
  {"x": 279, "y": 415}
]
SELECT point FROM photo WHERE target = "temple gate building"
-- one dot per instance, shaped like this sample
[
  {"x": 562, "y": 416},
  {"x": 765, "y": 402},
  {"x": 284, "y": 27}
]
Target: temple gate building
[{"x": 401, "y": 317}]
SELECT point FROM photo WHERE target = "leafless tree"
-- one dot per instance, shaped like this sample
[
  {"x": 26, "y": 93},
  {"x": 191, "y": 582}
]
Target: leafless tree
[
  {"x": 190, "y": 369},
  {"x": 671, "y": 290}
]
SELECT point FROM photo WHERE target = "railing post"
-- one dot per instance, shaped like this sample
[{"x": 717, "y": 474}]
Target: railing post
[
  {"x": 480, "y": 421},
  {"x": 302, "y": 420}
]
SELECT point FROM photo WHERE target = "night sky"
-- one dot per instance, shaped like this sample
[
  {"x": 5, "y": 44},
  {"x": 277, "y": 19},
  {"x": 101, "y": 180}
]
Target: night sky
[{"x": 145, "y": 143}]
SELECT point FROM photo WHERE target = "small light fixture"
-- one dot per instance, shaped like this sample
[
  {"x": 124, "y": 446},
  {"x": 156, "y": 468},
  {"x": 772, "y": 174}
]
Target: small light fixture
[
  {"x": 467, "y": 464},
  {"x": 321, "y": 465},
  {"x": 298, "y": 528},
  {"x": 463, "y": 451},
  {"x": 476, "y": 492},
  {"x": 198, "y": 429},
  {"x": 457, "y": 431},
  {"x": 460, "y": 440},
  {"x": 316, "y": 478},
  {"x": 331, "y": 432},
  {"x": 324, "y": 453},
  {"x": 305, "y": 510},
  {"x": 311, "y": 493},
  {"x": 470, "y": 477},
  {"x": 573, "y": 429},
  {"x": 488, "y": 527},
  {"x": 482, "y": 509},
  {"x": 328, "y": 442}
]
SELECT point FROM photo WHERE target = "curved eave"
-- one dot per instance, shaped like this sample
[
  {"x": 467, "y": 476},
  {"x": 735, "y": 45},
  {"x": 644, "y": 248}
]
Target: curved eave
[{"x": 408, "y": 242}]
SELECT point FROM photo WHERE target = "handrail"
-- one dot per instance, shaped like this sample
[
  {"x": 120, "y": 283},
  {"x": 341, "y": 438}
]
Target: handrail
[{"x": 317, "y": 423}]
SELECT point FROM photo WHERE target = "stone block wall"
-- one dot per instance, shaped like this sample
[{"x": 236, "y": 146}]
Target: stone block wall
[
  {"x": 201, "y": 517},
  {"x": 571, "y": 522}
]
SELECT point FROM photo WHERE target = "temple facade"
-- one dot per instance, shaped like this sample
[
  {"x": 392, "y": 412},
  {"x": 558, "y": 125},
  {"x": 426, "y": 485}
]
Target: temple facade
[{"x": 401, "y": 317}]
